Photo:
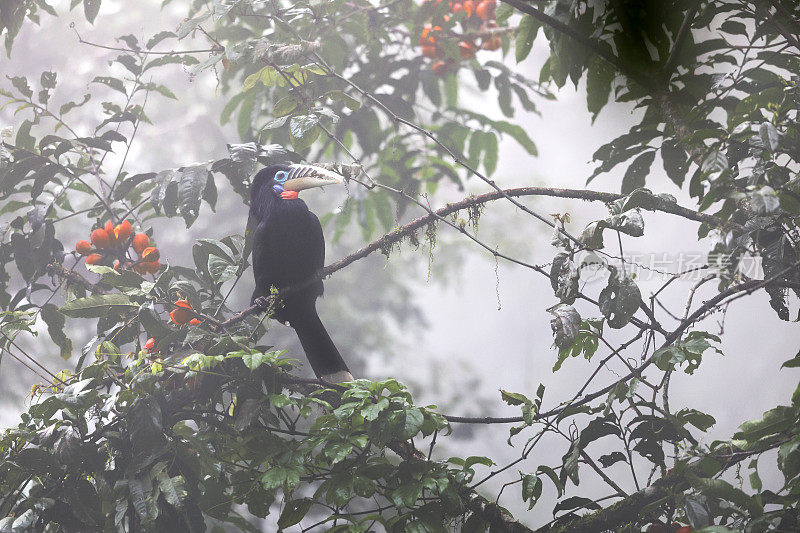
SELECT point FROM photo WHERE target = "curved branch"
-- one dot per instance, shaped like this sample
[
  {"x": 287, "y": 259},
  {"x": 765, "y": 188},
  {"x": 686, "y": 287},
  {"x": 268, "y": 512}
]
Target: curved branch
[{"x": 398, "y": 234}]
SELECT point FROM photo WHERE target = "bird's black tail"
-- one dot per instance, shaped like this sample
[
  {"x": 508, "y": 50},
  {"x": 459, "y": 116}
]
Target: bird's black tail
[{"x": 325, "y": 359}]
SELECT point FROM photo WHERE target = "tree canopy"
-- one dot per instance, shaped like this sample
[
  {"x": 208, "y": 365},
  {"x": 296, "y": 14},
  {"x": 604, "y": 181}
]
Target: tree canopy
[{"x": 180, "y": 415}]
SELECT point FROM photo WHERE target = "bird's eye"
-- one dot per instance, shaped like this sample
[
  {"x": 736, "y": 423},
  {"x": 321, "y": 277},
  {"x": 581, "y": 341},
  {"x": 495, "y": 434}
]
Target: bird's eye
[{"x": 281, "y": 176}]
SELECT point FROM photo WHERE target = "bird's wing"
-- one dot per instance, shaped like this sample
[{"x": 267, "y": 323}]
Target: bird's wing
[
  {"x": 249, "y": 232},
  {"x": 288, "y": 247}
]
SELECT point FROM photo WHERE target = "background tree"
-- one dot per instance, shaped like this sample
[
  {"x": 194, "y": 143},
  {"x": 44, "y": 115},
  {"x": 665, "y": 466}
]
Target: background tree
[{"x": 206, "y": 426}]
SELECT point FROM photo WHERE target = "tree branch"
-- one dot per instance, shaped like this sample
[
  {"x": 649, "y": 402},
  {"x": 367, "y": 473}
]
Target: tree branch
[
  {"x": 386, "y": 242},
  {"x": 680, "y": 38},
  {"x": 673, "y": 483}
]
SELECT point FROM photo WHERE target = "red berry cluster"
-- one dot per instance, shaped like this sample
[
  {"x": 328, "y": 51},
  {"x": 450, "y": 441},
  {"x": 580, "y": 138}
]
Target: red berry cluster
[
  {"x": 478, "y": 16},
  {"x": 108, "y": 244}
]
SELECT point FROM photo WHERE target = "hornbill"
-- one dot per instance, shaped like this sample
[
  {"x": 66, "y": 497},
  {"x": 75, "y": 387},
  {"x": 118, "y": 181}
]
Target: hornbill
[{"x": 288, "y": 250}]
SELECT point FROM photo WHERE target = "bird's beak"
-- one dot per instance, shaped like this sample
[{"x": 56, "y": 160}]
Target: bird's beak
[{"x": 309, "y": 176}]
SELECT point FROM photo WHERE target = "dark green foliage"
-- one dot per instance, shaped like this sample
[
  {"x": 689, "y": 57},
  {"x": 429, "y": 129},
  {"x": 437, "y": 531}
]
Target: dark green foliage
[{"x": 209, "y": 425}]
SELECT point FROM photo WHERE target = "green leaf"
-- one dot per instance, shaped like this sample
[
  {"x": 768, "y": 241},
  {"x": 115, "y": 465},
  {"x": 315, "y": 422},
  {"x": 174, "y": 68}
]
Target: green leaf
[
  {"x": 96, "y": 305},
  {"x": 407, "y": 494},
  {"x": 114, "y": 83},
  {"x": 304, "y": 130},
  {"x": 294, "y": 511},
  {"x": 20, "y": 83},
  {"x": 48, "y": 80},
  {"x": 698, "y": 419},
  {"x": 414, "y": 420},
  {"x": 55, "y": 327},
  {"x": 173, "y": 489},
  {"x": 253, "y": 360},
  {"x": 189, "y": 25},
  {"x": 526, "y": 34},
  {"x": 348, "y": 101},
  {"x": 90, "y": 9},
  {"x": 549, "y": 472},
  {"x": 637, "y": 172},
  {"x": 338, "y": 451},
  {"x": 774, "y": 421},
  {"x": 372, "y": 410},
  {"x": 789, "y": 459},
  {"x": 611, "y": 458},
  {"x": 599, "y": 76},
  {"x": 125, "y": 279},
  {"x": 718, "y": 488},
  {"x": 514, "y": 398},
  {"x": 518, "y": 134},
  {"x": 221, "y": 269},
  {"x": 565, "y": 324},
  {"x": 769, "y": 135},
  {"x": 674, "y": 159},
  {"x": 620, "y": 299},
  {"x": 191, "y": 184},
  {"x": 715, "y": 164},
  {"x": 575, "y": 503},
  {"x": 284, "y": 106},
  {"x": 157, "y": 38},
  {"x": 793, "y": 362},
  {"x": 764, "y": 201},
  {"x": 531, "y": 489}
]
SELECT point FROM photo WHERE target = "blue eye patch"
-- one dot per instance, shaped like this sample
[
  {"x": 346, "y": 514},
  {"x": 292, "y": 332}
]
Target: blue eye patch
[{"x": 281, "y": 176}]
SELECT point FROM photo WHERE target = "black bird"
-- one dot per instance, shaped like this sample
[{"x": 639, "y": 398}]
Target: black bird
[{"x": 288, "y": 249}]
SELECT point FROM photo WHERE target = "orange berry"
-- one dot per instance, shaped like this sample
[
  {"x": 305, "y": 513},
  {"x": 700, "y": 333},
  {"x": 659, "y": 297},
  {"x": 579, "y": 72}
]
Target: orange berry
[
  {"x": 467, "y": 49},
  {"x": 485, "y": 9},
  {"x": 456, "y": 8},
  {"x": 112, "y": 238},
  {"x": 83, "y": 247},
  {"x": 469, "y": 7},
  {"x": 140, "y": 242},
  {"x": 123, "y": 231},
  {"x": 93, "y": 259},
  {"x": 150, "y": 344},
  {"x": 180, "y": 316},
  {"x": 100, "y": 238},
  {"x": 492, "y": 44},
  {"x": 150, "y": 254},
  {"x": 427, "y": 37},
  {"x": 195, "y": 322}
]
